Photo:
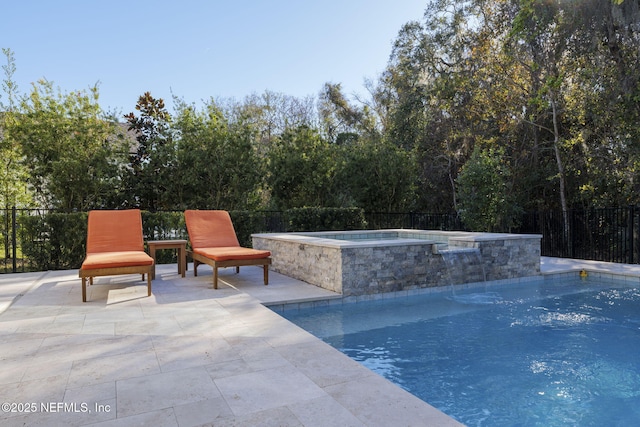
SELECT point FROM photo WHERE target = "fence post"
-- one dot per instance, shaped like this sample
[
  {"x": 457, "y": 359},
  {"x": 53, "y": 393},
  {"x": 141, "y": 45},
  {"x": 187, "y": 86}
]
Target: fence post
[
  {"x": 631, "y": 233},
  {"x": 14, "y": 239},
  {"x": 5, "y": 236}
]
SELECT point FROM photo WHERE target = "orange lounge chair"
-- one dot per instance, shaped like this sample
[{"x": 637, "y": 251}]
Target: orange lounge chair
[
  {"x": 115, "y": 246},
  {"x": 214, "y": 242}
]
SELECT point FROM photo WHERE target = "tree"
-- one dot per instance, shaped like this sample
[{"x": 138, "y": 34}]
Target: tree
[
  {"x": 302, "y": 170},
  {"x": 342, "y": 121},
  {"x": 272, "y": 113},
  {"x": 13, "y": 175},
  {"x": 553, "y": 84},
  {"x": 427, "y": 91},
  {"x": 603, "y": 103},
  {"x": 485, "y": 192},
  {"x": 379, "y": 177},
  {"x": 70, "y": 150},
  {"x": 151, "y": 163},
  {"x": 539, "y": 40},
  {"x": 217, "y": 165}
]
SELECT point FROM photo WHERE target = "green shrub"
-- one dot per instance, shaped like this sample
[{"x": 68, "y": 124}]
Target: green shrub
[
  {"x": 486, "y": 200},
  {"x": 247, "y": 223},
  {"x": 54, "y": 241},
  {"x": 57, "y": 241},
  {"x": 325, "y": 219},
  {"x": 164, "y": 226}
]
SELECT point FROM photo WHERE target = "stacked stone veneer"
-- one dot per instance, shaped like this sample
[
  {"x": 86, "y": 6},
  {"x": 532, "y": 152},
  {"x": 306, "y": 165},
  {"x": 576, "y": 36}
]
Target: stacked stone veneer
[{"x": 369, "y": 262}]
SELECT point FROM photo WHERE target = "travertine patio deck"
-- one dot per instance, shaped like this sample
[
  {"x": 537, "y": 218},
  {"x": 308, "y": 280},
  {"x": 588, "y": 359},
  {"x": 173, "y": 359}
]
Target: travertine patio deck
[
  {"x": 186, "y": 356},
  {"x": 189, "y": 355}
]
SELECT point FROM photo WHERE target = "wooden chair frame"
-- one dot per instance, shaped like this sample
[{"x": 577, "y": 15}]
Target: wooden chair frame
[
  {"x": 90, "y": 274},
  {"x": 237, "y": 263},
  {"x": 115, "y": 246}
]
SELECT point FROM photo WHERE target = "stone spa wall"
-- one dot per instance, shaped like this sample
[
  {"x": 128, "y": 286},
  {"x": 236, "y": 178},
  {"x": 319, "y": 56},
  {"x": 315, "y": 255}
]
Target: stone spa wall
[{"x": 357, "y": 263}]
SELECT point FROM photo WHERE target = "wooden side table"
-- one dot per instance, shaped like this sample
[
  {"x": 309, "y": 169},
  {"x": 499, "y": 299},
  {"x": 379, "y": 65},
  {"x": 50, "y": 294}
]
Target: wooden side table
[{"x": 180, "y": 245}]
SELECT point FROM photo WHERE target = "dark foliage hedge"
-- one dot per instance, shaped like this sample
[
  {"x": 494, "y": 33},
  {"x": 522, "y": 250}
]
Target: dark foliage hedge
[
  {"x": 325, "y": 219},
  {"x": 57, "y": 241}
]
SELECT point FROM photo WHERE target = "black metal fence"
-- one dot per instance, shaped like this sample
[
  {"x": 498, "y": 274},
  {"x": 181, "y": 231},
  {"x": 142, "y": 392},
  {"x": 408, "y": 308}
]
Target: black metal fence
[
  {"x": 609, "y": 234},
  {"x": 413, "y": 220},
  {"x": 12, "y": 259},
  {"x": 605, "y": 234}
]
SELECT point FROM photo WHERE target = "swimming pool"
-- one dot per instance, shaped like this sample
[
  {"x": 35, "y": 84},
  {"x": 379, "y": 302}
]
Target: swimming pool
[{"x": 539, "y": 353}]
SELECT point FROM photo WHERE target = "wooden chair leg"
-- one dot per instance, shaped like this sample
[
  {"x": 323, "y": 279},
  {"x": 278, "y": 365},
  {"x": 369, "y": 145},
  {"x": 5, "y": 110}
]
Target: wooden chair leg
[
  {"x": 237, "y": 269},
  {"x": 215, "y": 277},
  {"x": 148, "y": 285},
  {"x": 265, "y": 269},
  {"x": 84, "y": 289}
]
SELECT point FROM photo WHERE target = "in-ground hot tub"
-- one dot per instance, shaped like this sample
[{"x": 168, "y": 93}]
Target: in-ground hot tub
[{"x": 366, "y": 262}]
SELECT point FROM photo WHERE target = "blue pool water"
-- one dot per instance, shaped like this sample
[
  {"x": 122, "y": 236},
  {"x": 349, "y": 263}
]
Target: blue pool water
[{"x": 545, "y": 353}]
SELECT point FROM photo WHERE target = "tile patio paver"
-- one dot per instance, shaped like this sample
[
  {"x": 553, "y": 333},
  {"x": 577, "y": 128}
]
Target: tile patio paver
[
  {"x": 188, "y": 355},
  {"x": 164, "y": 390}
]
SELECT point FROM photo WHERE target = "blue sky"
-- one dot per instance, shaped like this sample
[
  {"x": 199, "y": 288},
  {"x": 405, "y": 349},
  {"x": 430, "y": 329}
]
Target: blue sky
[{"x": 199, "y": 49}]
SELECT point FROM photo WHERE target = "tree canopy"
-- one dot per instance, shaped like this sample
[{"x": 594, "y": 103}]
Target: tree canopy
[{"x": 486, "y": 108}]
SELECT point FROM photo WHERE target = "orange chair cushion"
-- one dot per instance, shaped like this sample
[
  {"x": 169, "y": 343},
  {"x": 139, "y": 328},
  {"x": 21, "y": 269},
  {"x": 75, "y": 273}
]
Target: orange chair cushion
[
  {"x": 116, "y": 259},
  {"x": 231, "y": 253},
  {"x": 209, "y": 229},
  {"x": 114, "y": 231}
]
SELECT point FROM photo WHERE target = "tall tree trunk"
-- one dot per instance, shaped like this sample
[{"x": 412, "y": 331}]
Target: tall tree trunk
[{"x": 561, "y": 176}]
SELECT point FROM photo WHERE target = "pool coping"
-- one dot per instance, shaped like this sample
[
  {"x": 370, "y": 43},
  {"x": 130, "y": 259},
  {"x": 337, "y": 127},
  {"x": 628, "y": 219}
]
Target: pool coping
[
  {"x": 551, "y": 268},
  {"x": 363, "y": 239}
]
